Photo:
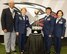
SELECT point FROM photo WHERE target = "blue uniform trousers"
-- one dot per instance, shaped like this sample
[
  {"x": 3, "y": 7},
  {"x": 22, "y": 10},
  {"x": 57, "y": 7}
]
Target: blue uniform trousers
[
  {"x": 47, "y": 43},
  {"x": 22, "y": 41},
  {"x": 57, "y": 45}
]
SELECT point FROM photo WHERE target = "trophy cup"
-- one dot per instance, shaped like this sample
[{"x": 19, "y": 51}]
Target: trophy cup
[{"x": 36, "y": 28}]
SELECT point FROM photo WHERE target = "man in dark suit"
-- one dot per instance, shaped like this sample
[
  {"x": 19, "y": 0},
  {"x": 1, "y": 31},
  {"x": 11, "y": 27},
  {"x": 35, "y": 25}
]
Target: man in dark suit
[
  {"x": 7, "y": 21},
  {"x": 59, "y": 31},
  {"x": 48, "y": 30},
  {"x": 21, "y": 24}
]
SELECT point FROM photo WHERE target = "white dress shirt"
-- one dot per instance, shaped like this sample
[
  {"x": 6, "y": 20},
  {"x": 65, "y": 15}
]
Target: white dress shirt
[
  {"x": 12, "y": 11},
  {"x": 24, "y": 17}
]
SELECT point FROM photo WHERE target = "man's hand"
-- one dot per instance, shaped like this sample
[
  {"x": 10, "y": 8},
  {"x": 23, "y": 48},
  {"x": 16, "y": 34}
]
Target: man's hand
[
  {"x": 49, "y": 35},
  {"x": 62, "y": 37},
  {"x": 5, "y": 30},
  {"x": 17, "y": 33}
]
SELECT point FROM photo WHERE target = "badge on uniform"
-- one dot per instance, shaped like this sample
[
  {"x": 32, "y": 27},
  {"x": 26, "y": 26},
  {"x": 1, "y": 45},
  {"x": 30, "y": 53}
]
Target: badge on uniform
[
  {"x": 60, "y": 22},
  {"x": 48, "y": 19},
  {"x": 20, "y": 18}
]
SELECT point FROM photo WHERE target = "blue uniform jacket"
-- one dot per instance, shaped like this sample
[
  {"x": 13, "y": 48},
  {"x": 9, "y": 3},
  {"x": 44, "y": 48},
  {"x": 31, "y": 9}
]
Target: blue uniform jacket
[
  {"x": 48, "y": 25},
  {"x": 21, "y": 24},
  {"x": 59, "y": 28}
]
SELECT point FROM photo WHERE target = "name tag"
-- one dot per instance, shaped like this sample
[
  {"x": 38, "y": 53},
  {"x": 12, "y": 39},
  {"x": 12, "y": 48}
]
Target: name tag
[
  {"x": 60, "y": 22},
  {"x": 20, "y": 18}
]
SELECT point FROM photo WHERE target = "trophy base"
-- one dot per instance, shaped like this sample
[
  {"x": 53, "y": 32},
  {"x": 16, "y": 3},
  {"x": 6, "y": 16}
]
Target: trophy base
[{"x": 36, "y": 31}]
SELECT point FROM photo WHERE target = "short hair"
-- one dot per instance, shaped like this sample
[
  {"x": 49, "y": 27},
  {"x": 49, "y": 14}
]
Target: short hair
[
  {"x": 24, "y": 9},
  {"x": 60, "y": 11},
  {"x": 49, "y": 9}
]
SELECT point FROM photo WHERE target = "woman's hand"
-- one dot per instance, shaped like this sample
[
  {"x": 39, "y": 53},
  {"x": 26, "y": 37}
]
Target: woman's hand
[
  {"x": 17, "y": 33},
  {"x": 62, "y": 37}
]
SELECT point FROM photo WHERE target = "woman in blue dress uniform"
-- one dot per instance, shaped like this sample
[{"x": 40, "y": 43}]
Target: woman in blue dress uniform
[
  {"x": 21, "y": 24},
  {"x": 59, "y": 30}
]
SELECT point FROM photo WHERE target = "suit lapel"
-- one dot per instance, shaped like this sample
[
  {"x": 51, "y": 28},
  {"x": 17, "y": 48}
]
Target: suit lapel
[
  {"x": 10, "y": 12},
  {"x": 46, "y": 17},
  {"x": 21, "y": 17},
  {"x": 25, "y": 17}
]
